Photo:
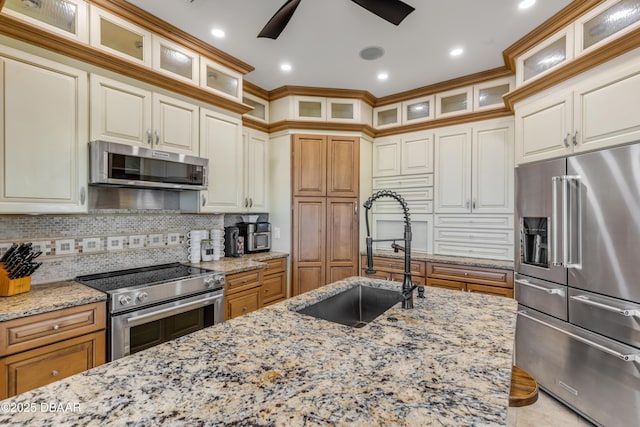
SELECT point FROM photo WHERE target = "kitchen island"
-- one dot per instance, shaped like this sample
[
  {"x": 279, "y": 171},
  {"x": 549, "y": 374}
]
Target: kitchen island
[{"x": 446, "y": 362}]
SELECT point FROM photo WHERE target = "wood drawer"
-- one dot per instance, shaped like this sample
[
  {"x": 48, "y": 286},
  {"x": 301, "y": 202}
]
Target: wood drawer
[
  {"x": 30, "y": 332},
  {"x": 399, "y": 277},
  {"x": 275, "y": 266},
  {"x": 274, "y": 288},
  {"x": 477, "y": 275},
  {"x": 242, "y": 303},
  {"x": 395, "y": 265},
  {"x": 35, "y": 368},
  {"x": 384, "y": 275},
  {"x": 447, "y": 284},
  {"x": 493, "y": 290},
  {"x": 242, "y": 281}
]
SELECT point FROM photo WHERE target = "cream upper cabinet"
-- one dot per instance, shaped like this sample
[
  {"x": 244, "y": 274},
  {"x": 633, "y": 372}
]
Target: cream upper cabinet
[
  {"x": 600, "y": 111},
  {"x": 174, "y": 60},
  {"x": 44, "y": 135},
  {"x": 256, "y": 175},
  {"x": 131, "y": 115},
  {"x": 68, "y": 18},
  {"x": 221, "y": 143},
  {"x": 474, "y": 168},
  {"x": 403, "y": 155}
]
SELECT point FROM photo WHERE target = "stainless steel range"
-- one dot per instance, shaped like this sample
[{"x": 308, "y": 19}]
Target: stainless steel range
[{"x": 151, "y": 305}]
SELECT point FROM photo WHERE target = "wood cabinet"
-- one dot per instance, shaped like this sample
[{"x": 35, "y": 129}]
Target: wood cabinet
[
  {"x": 471, "y": 279},
  {"x": 274, "y": 281},
  {"x": 43, "y": 348},
  {"x": 393, "y": 269},
  {"x": 132, "y": 115},
  {"x": 596, "y": 112},
  {"x": 43, "y": 137},
  {"x": 242, "y": 294},
  {"x": 325, "y": 222},
  {"x": 221, "y": 143},
  {"x": 256, "y": 175},
  {"x": 248, "y": 291}
]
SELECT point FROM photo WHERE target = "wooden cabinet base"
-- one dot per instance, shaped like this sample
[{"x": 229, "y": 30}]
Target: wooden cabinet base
[
  {"x": 35, "y": 368},
  {"x": 471, "y": 279},
  {"x": 242, "y": 303}
]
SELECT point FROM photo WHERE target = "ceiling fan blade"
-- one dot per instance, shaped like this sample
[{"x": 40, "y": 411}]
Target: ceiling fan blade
[
  {"x": 393, "y": 11},
  {"x": 279, "y": 20}
]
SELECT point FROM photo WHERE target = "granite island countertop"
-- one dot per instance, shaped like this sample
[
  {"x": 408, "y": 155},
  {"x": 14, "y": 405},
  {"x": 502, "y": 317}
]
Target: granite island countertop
[{"x": 446, "y": 362}]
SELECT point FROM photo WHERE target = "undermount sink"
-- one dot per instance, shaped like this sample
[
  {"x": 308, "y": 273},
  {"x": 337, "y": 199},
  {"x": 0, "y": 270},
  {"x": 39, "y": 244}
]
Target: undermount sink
[{"x": 355, "y": 306}]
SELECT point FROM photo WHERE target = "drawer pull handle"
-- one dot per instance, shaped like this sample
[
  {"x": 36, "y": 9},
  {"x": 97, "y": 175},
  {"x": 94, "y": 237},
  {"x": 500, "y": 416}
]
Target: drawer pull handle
[
  {"x": 541, "y": 288},
  {"x": 56, "y": 327},
  {"x": 624, "y": 312},
  {"x": 244, "y": 309},
  {"x": 54, "y": 373}
]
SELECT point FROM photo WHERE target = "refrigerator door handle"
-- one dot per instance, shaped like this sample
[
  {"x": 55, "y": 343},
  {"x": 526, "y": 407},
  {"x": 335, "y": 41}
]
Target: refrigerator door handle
[
  {"x": 550, "y": 291},
  {"x": 622, "y": 311},
  {"x": 624, "y": 357},
  {"x": 573, "y": 226},
  {"x": 555, "y": 221}
]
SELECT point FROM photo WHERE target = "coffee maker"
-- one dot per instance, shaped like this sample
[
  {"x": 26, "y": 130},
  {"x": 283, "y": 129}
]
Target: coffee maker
[{"x": 233, "y": 242}]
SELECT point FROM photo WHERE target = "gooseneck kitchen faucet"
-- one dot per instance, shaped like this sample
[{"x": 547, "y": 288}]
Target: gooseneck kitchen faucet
[{"x": 407, "y": 285}]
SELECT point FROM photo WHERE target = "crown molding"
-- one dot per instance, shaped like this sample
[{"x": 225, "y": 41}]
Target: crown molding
[
  {"x": 285, "y": 91},
  {"x": 558, "y": 21},
  {"x": 250, "y": 122},
  {"x": 38, "y": 37},
  {"x": 156, "y": 25},
  {"x": 322, "y": 126},
  {"x": 255, "y": 90},
  {"x": 576, "y": 66},
  {"x": 447, "y": 85}
]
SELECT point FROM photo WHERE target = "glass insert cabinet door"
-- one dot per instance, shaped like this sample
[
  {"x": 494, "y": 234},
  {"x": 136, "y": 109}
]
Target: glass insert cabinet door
[
  {"x": 169, "y": 58},
  {"x": 64, "y": 17},
  {"x": 602, "y": 24},
  {"x": 219, "y": 79},
  {"x": 119, "y": 37}
]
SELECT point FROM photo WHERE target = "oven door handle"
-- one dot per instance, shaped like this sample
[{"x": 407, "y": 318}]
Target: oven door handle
[{"x": 181, "y": 308}]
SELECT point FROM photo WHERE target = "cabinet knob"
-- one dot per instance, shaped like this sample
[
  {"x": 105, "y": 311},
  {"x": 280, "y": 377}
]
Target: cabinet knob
[
  {"x": 244, "y": 309},
  {"x": 54, "y": 373},
  {"x": 56, "y": 327},
  {"x": 466, "y": 274}
]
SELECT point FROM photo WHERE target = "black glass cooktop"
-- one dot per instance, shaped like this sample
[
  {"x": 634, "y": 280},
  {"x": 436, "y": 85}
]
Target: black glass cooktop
[{"x": 144, "y": 276}]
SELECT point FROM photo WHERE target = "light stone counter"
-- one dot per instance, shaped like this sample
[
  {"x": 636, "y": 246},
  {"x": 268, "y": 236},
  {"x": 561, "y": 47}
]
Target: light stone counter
[
  {"x": 446, "y": 362},
  {"x": 241, "y": 264},
  {"x": 48, "y": 297}
]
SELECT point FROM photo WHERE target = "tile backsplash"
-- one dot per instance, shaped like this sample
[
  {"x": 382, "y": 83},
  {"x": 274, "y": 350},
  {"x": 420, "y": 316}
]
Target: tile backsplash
[{"x": 74, "y": 245}]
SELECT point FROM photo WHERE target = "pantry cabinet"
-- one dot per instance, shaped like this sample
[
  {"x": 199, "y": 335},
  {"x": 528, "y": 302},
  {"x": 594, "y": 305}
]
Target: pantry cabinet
[
  {"x": 221, "y": 143},
  {"x": 132, "y": 115},
  {"x": 43, "y": 135},
  {"x": 599, "y": 111}
]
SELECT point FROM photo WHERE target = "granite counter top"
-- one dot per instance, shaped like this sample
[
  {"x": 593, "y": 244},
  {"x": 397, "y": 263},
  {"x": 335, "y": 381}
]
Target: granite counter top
[
  {"x": 474, "y": 262},
  {"x": 446, "y": 362},
  {"x": 241, "y": 264},
  {"x": 48, "y": 297}
]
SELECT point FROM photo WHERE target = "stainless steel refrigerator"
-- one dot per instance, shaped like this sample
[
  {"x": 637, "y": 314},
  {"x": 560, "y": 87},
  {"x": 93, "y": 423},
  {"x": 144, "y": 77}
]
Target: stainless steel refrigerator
[{"x": 578, "y": 281}]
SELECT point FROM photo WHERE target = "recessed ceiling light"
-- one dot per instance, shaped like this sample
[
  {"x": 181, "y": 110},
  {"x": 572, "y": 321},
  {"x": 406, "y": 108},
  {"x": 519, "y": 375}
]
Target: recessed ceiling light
[
  {"x": 285, "y": 67},
  {"x": 383, "y": 76},
  {"x": 526, "y": 4},
  {"x": 218, "y": 33},
  {"x": 456, "y": 52}
]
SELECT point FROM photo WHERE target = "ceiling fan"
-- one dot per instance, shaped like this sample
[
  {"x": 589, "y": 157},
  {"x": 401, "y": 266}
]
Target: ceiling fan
[{"x": 393, "y": 11}]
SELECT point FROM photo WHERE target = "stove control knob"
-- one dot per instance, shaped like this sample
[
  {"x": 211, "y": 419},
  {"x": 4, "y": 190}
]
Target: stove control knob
[
  {"x": 124, "y": 300},
  {"x": 142, "y": 297},
  {"x": 209, "y": 282}
]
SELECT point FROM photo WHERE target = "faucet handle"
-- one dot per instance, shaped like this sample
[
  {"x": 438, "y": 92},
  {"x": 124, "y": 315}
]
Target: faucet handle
[{"x": 420, "y": 291}]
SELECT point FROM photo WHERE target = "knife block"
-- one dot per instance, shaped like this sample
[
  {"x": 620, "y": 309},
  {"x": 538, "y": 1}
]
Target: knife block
[{"x": 10, "y": 287}]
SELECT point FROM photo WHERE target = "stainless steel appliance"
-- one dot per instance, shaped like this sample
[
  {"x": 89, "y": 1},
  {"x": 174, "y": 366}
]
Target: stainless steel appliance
[
  {"x": 233, "y": 242},
  {"x": 133, "y": 166},
  {"x": 578, "y": 281},
  {"x": 257, "y": 236},
  {"x": 151, "y": 305}
]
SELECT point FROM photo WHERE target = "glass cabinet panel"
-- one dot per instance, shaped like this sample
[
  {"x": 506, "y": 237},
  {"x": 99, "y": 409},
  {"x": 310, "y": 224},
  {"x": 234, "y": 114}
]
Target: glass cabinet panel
[
  {"x": 66, "y": 17},
  {"x": 259, "y": 109},
  {"x": 453, "y": 103},
  {"x": 121, "y": 39},
  {"x": 418, "y": 110},
  {"x": 310, "y": 109},
  {"x": 612, "y": 20},
  {"x": 492, "y": 95},
  {"x": 546, "y": 58},
  {"x": 342, "y": 110},
  {"x": 216, "y": 79},
  {"x": 176, "y": 62},
  {"x": 387, "y": 116}
]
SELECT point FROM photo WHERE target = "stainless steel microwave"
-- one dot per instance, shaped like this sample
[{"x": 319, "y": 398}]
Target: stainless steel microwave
[{"x": 133, "y": 166}]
